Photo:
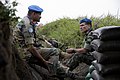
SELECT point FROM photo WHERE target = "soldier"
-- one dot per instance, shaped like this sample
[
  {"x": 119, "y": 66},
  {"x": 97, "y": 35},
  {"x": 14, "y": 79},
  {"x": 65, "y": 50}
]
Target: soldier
[
  {"x": 82, "y": 54},
  {"x": 25, "y": 36}
]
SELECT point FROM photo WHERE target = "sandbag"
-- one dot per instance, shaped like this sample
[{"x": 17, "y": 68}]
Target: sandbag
[
  {"x": 88, "y": 76},
  {"x": 112, "y": 77},
  {"x": 107, "y": 57},
  {"x": 95, "y": 75},
  {"x": 97, "y": 66},
  {"x": 106, "y": 69},
  {"x": 103, "y": 46},
  {"x": 108, "y": 33},
  {"x": 91, "y": 68}
]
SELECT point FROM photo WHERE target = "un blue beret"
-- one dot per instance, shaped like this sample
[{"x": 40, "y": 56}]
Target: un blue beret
[
  {"x": 35, "y": 8},
  {"x": 86, "y": 20}
]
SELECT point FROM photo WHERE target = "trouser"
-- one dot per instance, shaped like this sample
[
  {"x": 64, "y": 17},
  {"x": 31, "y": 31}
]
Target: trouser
[
  {"x": 47, "y": 53},
  {"x": 38, "y": 71},
  {"x": 51, "y": 55},
  {"x": 77, "y": 58},
  {"x": 56, "y": 67},
  {"x": 35, "y": 74}
]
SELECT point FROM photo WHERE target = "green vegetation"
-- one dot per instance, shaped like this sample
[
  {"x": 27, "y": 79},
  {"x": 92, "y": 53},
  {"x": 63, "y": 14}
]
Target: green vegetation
[
  {"x": 67, "y": 31},
  {"x": 9, "y": 9}
]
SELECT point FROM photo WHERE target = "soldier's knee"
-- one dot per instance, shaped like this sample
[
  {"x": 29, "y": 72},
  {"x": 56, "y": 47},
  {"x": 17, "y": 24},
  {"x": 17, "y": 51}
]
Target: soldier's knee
[{"x": 56, "y": 51}]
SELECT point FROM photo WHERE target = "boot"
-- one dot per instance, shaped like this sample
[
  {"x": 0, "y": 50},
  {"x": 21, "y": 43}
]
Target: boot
[
  {"x": 72, "y": 75},
  {"x": 65, "y": 73}
]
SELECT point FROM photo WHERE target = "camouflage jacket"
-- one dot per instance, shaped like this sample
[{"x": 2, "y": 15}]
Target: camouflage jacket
[
  {"x": 24, "y": 32},
  {"x": 88, "y": 39}
]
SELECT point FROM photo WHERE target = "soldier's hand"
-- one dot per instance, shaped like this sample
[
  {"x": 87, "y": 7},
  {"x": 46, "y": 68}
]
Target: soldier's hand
[{"x": 70, "y": 50}]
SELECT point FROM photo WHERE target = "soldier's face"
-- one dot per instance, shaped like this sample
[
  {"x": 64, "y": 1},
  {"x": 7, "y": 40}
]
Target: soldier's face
[
  {"x": 84, "y": 27},
  {"x": 36, "y": 17}
]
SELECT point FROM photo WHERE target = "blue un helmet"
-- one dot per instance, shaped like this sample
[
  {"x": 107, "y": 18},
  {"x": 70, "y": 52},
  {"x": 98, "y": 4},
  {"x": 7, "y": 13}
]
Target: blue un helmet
[
  {"x": 35, "y": 8},
  {"x": 86, "y": 20}
]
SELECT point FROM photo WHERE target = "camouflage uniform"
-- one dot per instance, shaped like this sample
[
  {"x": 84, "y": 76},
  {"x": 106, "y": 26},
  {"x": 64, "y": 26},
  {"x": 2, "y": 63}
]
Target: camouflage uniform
[
  {"x": 25, "y": 34},
  {"x": 79, "y": 58}
]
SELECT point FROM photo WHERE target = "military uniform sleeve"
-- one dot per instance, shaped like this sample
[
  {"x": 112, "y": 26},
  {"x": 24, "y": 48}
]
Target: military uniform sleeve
[
  {"x": 26, "y": 30},
  {"x": 88, "y": 40}
]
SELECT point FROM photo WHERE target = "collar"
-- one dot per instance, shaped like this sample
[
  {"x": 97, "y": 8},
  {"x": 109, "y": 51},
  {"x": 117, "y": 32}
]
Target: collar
[
  {"x": 31, "y": 21},
  {"x": 90, "y": 29}
]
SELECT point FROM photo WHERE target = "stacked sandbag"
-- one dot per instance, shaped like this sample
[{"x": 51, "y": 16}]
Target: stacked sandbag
[{"x": 107, "y": 54}]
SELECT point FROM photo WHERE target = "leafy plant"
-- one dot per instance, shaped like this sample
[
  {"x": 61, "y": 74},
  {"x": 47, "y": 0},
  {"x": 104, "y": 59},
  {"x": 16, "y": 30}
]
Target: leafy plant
[{"x": 67, "y": 31}]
